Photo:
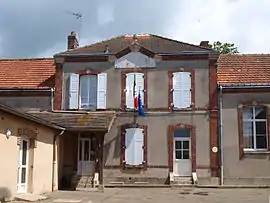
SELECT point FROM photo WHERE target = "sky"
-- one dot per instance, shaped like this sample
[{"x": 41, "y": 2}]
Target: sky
[{"x": 39, "y": 28}]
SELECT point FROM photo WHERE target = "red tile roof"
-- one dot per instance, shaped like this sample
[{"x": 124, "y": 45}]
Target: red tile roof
[
  {"x": 27, "y": 73},
  {"x": 151, "y": 42},
  {"x": 244, "y": 69}
]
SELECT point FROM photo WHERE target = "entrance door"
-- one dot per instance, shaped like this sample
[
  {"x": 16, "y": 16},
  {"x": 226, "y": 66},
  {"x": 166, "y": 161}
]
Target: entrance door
[
  {"x": 182, "y": 153},
  {"x": 23, "y": 166},
  {"x": 86, "y": 157}
]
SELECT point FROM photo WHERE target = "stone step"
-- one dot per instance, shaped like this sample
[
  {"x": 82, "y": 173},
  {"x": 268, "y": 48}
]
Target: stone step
[{"x": 182, "y": 181}]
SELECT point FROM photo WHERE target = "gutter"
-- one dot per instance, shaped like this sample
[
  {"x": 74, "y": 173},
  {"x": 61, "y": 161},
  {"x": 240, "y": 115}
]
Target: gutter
[
  {"x": 158, "y": 53},
  {"x": 25, "y": 89},
  {"x": 239, "y": 86},
  {"x": 54, "y": 168},
  {"x": 221, "y": 152}
]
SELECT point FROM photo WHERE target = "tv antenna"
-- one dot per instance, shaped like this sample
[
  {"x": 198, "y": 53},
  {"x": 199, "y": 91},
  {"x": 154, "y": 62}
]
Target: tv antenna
[{"x": 78, "y": 16}]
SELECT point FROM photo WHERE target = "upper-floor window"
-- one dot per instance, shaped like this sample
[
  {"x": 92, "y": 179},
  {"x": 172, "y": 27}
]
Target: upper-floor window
[
  {"x": 181, "y": 90},
  {"x": 255, "y": 128},
  {"x": 134, "y": 86},
  {"x": 87, "y": 91}
]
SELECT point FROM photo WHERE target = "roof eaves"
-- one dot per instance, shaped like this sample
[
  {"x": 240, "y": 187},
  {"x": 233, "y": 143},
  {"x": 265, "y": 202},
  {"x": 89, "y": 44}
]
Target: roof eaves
[
  {"x": 250, "y": 85},
  {"x": 29, "y": 117}
]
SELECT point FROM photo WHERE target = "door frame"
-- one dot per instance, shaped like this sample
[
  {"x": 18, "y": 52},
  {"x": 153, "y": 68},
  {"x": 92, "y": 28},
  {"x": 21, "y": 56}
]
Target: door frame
[
  {"x": 19, "y": 174},
  {"x": 171, "y": 129},
  {"x": 190, "y": 158},
  {"x": 80, "y": 138}
]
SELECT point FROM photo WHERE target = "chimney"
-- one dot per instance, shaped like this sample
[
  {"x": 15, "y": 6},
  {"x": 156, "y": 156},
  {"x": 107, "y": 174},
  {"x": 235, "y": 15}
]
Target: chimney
[
  {"x": 205, "y": 44},
  {"x": 72, "y": 41}
]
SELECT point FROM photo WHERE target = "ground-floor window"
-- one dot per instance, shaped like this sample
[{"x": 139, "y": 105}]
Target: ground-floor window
[{"x": 255, "y": 128}]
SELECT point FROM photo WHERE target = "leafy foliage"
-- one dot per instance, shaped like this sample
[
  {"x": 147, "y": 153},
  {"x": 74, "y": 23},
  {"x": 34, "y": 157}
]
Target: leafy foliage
[{"x": 225, "y": 48}]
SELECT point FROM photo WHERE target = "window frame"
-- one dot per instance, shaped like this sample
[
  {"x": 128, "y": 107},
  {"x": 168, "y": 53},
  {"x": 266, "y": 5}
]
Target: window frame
[
  {"x": 79, "y": 95},
  {"x": 170, "y": 89},
  {"x": 123, "y": 84},
  {"x": 241, "y": 120}
]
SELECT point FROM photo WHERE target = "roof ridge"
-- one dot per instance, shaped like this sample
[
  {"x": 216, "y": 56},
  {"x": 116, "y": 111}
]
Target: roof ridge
[
  {"x": 24, "y": 59},
  {"x": 89, "y": 45},
  {"x": 174, "y": 40}
]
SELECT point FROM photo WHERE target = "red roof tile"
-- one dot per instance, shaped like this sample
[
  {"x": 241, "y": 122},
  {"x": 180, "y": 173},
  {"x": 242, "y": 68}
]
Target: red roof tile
[
  {"x": 244, "y": 69},
  {"x": 27, "y": 73}
]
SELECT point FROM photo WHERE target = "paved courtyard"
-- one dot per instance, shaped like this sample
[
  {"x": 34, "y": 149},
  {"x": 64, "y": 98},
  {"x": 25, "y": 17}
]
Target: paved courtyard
[{"x": 167, "y": 195}]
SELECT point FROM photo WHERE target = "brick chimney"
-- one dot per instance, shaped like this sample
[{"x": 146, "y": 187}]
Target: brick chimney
[
  {"x": 205, "y": 44},
  {"x": 72, "y": 41}
]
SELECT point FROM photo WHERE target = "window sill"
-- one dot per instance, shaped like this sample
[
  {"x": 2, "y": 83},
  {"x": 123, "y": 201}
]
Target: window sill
[
  {"x": 141, "y": 166},
  {"x": 256, "y": 152}
]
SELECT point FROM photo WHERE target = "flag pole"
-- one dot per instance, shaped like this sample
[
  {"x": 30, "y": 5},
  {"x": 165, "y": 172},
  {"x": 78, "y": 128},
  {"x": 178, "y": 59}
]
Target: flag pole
[{"x": 134, "y": 95}]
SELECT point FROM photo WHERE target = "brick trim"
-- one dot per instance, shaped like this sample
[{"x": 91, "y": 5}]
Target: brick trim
[
  {"x": 88, "y": 72},
  {"x": 29, "y": 134},
  {"x": 171, "y": 129},
  {"x": 240, "y": 126},
  {"x": 213, "y": 115},
  {"x": 178, "y": 57},
  {"x": 123, "y": 139},
  {"x": 87, "y": 58},
  {"x": 170, "y": 86},
  {"x": 58, "y": 86},
  {"x": 123, "y": 87}
]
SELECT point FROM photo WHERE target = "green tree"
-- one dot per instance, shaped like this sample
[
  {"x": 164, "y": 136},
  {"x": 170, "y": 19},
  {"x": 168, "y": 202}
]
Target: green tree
[{"x": 225, "y": 48}]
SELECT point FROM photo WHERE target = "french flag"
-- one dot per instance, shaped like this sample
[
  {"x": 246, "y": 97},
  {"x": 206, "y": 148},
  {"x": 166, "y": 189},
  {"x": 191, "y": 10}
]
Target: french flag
[{"x": 138, "y": 105}]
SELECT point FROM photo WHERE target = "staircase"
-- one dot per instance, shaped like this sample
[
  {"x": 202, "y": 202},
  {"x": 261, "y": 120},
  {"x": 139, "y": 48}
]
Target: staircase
[
  {"x": 182, "y": 181},
  {"x": 84, "y": 182}
]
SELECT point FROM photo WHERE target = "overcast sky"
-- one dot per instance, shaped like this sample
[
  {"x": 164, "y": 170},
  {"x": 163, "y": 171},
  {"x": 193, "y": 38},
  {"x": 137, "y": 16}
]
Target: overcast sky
[{"x": 39, "y": 28}]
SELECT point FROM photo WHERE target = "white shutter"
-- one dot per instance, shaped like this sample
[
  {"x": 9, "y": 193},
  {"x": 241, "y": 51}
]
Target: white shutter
[
  {"x": 138, "y": 146},
  {"x": 140, "y": 85},
  {"x": 134, "y": 153},
  {"x": 182, "y": 89},
  {"x": 73, "y": 91},
  {"x": 102, "y": 91},
  {"x": 186, "y": 90},
  {"x": 129, "y": 143},
  {"x": 129, "y": 90}
]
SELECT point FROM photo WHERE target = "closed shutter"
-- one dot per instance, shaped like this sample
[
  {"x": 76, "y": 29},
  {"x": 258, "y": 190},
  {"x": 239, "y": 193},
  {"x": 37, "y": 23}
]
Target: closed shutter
[
  {"x": 73, "y": 91},
  {"x": 134, "y": 153},
  {"x": 102, "y": 91},
  {"x": 129, "y": 143},
  {"x": 129, "y": 90},
  {"x": 140, "y": 85},
  {"x": 182, "y": 89},
  {"x": 138, "y": 146}
]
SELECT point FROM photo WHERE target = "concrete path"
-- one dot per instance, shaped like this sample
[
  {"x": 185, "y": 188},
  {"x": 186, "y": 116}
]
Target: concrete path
[{"x": 161, "y": 195}]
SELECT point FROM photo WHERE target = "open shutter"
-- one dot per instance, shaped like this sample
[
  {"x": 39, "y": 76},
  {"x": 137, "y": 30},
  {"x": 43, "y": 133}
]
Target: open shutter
[
  {"x": 140, "y": 85},
  {"x": 186, "y": 89},
  {"x": 177, "y": 90},
  {"x": 129, "y": 90},
  {"x": 138, "y": 146},
  {"x": 182, "y": 89},
  {"x": 101, "y": 90},
  {"x": 73, "y": 91},
  {"x": 129, "y": 143}
]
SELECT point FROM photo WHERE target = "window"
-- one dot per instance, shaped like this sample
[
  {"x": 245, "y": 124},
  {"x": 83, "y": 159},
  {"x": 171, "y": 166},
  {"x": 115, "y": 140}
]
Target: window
[
  {"x": 134, "y": 146},
  {"x": 87, "y": 91},
  {"x": 255, "y": 128},
  {"x": 132, "y": 79},
  {"x": 181, "y": 90}
]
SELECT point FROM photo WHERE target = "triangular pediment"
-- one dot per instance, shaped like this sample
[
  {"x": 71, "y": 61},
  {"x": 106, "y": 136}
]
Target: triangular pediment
[{"x": 135, "y": 60}]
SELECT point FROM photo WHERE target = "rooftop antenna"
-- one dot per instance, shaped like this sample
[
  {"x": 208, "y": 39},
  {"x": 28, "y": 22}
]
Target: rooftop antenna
[{"x": 78, "y": 17}]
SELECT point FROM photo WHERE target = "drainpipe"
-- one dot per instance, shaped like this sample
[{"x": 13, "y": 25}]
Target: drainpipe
[
  {"x": 52, "y": 98},
  {"x": 221, "y": 153},
  {"x": 54, "y": 177}
]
